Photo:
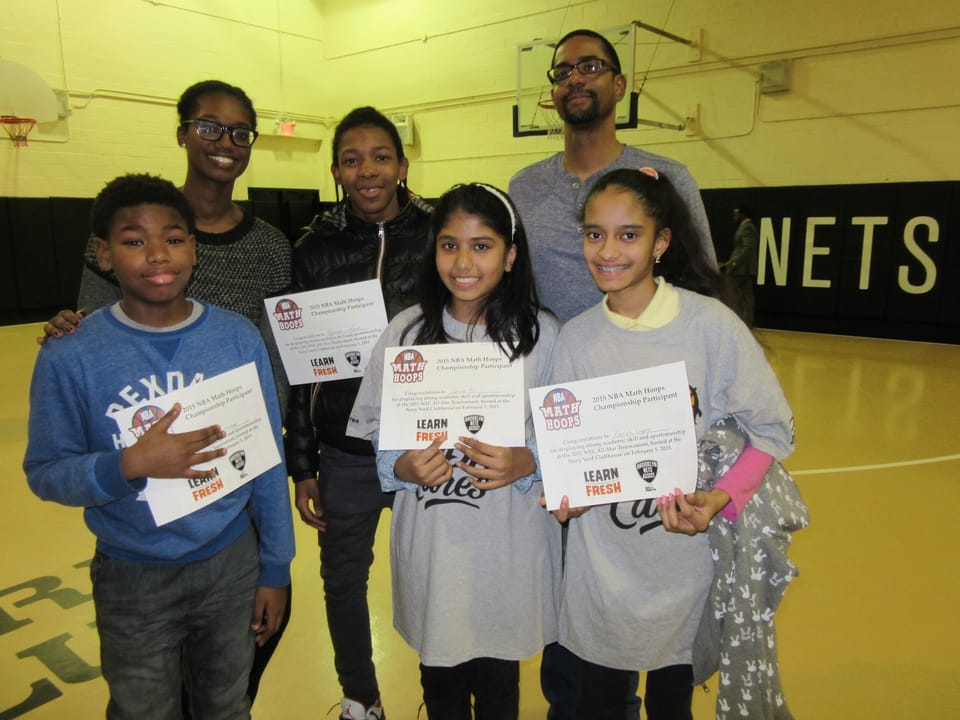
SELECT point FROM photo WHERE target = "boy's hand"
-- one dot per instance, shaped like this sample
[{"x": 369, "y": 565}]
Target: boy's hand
[
  {"x": 499, "y": 466},
  {"x": 162, "y": 454},
  {"x": 268, "y": 608},
  {"x": 691, "y": 513},
  {"x": 564, "y": 512},
  {"x": 428, "y": 467},
  {"x": 308, "y": 503},
  {"x": 64, "y": 322}
]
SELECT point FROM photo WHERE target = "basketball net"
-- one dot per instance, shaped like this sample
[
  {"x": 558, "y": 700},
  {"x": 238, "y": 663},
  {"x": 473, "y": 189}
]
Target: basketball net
[
  {"x": 17, "y": 128},
  {"x": 547, "y": 114}
]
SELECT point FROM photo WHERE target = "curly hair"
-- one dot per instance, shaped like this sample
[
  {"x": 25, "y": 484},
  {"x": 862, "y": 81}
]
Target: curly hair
[{"x": 137, "y": 189}]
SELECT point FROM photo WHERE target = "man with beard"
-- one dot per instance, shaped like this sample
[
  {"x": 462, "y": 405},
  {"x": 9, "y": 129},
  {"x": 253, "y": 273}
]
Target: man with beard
[{"x": 587, "y": 85}]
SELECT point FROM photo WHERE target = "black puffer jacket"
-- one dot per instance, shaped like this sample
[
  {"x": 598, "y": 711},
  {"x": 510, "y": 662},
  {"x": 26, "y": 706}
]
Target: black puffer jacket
[{"x": 338, "y": 248}]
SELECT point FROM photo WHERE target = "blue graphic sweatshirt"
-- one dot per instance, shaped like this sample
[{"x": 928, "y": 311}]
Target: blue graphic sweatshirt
[{"x": 73, "y": 453}]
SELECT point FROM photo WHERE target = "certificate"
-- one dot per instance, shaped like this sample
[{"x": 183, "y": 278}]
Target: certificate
[
  {"x": 233, "y": 401},
  {"x": 621, "y": 437},
  {"x": 448, "y": 390},
  {"x": 327, "y": 334}
]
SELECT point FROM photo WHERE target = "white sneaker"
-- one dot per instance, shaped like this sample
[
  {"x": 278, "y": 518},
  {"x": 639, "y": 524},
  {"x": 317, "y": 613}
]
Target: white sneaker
[{"x": 353, "y": 710}]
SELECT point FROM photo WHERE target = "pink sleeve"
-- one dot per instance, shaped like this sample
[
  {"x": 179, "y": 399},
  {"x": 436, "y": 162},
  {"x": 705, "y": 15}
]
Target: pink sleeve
[{"x": 741, "y": 481}]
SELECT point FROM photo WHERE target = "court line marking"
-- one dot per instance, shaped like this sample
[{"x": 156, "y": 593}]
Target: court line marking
[{"x": 880, "y": 466}]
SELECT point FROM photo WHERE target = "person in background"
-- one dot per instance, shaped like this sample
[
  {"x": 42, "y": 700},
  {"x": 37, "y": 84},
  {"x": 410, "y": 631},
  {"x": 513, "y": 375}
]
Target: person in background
[
  {"x": 379, "y": 230},
  {"x": 741, "y": 266}
]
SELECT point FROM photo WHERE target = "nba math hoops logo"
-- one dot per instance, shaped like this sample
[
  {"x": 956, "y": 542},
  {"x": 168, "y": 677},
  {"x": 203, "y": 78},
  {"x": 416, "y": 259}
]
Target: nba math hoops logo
[
  {"x": 144, "y": 419},
  {"x": 408, "y": 367},
  {"x": 288, "y": 314},
  {"x": 353, "y": 357},
  {"x": 561, "y": 410}
]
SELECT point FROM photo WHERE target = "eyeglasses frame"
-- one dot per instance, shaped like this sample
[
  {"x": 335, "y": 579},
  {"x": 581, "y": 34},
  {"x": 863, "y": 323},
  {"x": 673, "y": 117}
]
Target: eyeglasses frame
[
  {"x": 604, "y": 64},
  {"x": 223, "y": 129}
]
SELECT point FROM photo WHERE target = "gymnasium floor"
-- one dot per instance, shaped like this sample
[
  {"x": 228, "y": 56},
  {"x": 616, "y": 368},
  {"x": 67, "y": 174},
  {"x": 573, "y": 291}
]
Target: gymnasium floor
[{"x": 868, "y": 630}]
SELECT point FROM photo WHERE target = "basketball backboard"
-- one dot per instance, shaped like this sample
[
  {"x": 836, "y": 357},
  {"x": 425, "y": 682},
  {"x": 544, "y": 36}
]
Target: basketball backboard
[{"x": 23, "y": 93}]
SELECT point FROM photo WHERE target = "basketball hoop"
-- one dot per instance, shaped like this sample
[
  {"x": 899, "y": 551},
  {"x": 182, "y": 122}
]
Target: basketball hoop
[
  {"x": 17, "y": 128},
  {"x": 549, "y": 118}
]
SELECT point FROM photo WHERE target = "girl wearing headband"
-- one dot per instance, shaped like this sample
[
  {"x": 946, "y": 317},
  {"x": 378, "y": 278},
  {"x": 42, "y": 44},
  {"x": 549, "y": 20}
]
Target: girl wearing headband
[{"x": 472, "y": 577}]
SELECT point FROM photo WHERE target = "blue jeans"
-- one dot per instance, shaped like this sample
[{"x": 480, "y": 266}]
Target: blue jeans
[
  {"x": 352, "y": 502},
  {"x": 167, "y": 626}
]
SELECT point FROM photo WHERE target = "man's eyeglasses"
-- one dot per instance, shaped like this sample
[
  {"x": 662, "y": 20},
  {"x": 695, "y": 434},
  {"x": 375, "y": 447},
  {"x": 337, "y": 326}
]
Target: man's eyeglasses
[
  {"x": 590, "y": 66},
  {"x": 209, "y": 130}
]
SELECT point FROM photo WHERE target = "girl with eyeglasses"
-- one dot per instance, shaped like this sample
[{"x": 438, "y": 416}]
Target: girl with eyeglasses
[{"x": 241, "y": 259}]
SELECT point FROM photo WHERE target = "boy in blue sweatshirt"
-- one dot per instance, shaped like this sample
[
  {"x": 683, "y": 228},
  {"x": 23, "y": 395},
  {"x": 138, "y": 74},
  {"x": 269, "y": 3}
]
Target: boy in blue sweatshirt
[{"x": 181, "y": 605}]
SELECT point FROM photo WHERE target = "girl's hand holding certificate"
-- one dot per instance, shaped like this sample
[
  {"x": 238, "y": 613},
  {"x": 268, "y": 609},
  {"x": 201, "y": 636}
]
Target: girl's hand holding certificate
[
  {"x": 690, "y": 513},
  {"x": 492, "y": 466},
  {"x": 564, "y": 512},
  {"x": 428, "y": 467}
]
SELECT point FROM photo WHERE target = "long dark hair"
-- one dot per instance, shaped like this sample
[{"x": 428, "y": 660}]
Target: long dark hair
[
  {"x": 510, "y": 310},
  {"x": 684, "y": 264}
]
